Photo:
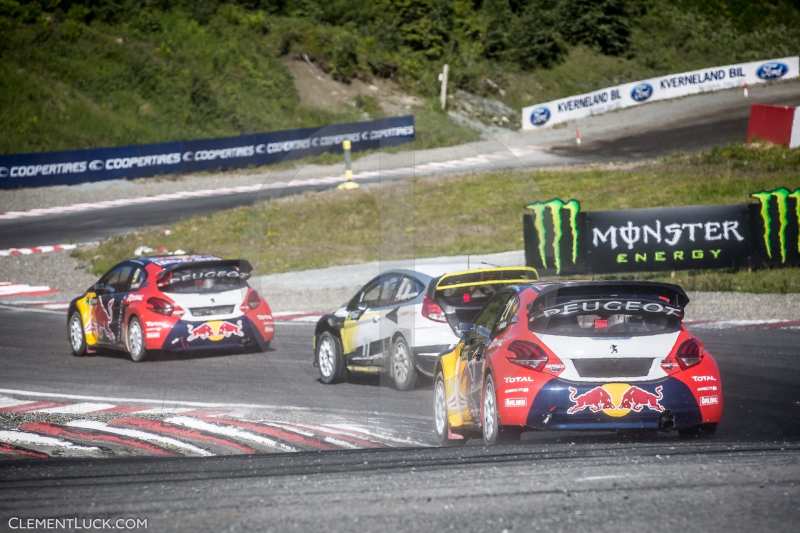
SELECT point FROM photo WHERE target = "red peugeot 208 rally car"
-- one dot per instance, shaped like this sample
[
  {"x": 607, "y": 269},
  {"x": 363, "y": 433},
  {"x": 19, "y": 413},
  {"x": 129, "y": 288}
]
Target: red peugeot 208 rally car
[
  {"x": 179, "y": 302},
  {"x": 577, "y": 355}
]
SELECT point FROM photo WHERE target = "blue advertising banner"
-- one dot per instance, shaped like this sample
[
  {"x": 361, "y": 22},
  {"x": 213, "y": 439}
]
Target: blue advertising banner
[{"x": 136, "y": 161}]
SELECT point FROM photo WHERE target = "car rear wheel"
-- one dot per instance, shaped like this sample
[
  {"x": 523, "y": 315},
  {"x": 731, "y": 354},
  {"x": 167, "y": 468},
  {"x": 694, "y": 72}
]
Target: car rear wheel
[
  {"x": 493, "y": 432},
  {"x": 76, "y": 335},
  {"x": 440, "y": 422},
  {"x": 134, "y": 341},
  {"x": 330, "y": 359},
  {"x": 401, "y": 365}
]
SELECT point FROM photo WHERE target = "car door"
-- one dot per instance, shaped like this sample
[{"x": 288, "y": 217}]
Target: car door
[
  {"x": 475, "y": 345},
  {"x": 365, "y": 331},
  {"x": 111, "y": 291}
]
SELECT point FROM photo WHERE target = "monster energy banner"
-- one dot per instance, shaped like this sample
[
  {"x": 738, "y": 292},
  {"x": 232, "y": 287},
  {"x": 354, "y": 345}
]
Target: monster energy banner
[
  {"x": 777, "y": 239},
  {"x": 674, "y": 238},
  {"x": 560, "y": 239}
]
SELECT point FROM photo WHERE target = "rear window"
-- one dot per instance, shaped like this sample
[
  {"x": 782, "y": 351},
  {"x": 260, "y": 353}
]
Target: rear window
[
  {"x": 203, "y": 280},
  {"x": 608, "y": 317},
  {"x": 472, "y": 296}
]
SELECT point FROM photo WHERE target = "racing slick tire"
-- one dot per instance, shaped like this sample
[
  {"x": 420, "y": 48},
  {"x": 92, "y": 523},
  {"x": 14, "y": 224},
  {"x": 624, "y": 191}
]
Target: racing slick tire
[
  {"x": 441, "y": 424},
  {"x": 401, "y": 365},
  {"x": 134, "y": 341},
  {"x": 76, "y": 335},
  {"x": 703, "y": 430},
  {"x": 330, "y": 359},
  {"x": 493, "y": 432}
]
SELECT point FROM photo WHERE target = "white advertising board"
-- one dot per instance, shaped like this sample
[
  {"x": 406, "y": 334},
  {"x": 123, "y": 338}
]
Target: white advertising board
[{"x": 661, "y": 88}]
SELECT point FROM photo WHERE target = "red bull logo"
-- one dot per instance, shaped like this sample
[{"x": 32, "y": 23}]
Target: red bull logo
[
  {"x": 215, "y": 330},
  {"x": 615, "y": 399},
  {"x": 596, "y": 400}
]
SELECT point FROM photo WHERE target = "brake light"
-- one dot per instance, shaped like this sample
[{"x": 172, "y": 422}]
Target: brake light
[
  {"x": 163, "y": 307},
  {"x": 466, "y": 297},
  {"x": 689, "y": 354},
  {"x": 432, "y": 310},
  {"x": 252, "y": 301},
  {"x": 525, "y": 353}
]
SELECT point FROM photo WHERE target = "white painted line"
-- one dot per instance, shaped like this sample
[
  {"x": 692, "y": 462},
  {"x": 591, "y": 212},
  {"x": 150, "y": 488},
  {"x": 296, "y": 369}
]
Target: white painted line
[
  {"x": 21, "y": 309},
  {"x": 340, "y": 443},
  {"x": 22, "y": 288},
  {"x": 11, "y": 402},
  {"x": 165, "y": 411},
  {"x": 141, "y": 435},
  {"x": 373, "y": 434},
  {"x": 77, "y": 408},
  {"x": 229, "y": 431},
  {"x": 598, "y": 478},
  {"x": 59, "y": 306},
  {"x": 24, "y": 438},
  {"x": 308, "y": 433}
]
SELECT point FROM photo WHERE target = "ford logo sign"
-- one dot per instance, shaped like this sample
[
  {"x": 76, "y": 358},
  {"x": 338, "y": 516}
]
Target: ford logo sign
[
  {"x": 642, "y": 92},
  {"x": 772, "y": 71},
  {"x": 540, "y": 116}
]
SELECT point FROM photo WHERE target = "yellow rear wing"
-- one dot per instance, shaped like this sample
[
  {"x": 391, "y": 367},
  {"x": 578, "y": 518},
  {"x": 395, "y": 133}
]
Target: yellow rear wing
[{"x": 487, "y": 276}]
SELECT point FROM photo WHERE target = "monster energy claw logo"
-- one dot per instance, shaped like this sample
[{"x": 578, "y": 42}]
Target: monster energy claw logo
[
  {"x": 781, "y": 195},
  {"x": 556, "y": 207}
]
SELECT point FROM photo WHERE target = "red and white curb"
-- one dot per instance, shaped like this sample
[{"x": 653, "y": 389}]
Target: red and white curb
[
  {"x": 53, "y": 425},
  {"x": 452, "y": 164},
  {"x": 10, "y": 290},
  {"x": 46, "y": 249}
]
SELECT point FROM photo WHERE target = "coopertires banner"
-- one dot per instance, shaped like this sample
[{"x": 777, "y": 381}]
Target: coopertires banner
[
  {"x": 660, "y": 88},
  {"x": 136, "y": 161}
]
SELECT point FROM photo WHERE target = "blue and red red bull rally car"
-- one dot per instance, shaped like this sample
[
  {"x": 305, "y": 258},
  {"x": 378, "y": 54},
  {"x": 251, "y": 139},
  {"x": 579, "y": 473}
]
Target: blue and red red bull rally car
[
  {"x": 179, "y": 302},
  {"x": 577, "y": 355}
]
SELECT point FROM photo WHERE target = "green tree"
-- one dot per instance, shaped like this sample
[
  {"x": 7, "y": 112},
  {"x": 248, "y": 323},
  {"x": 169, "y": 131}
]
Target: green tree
[
  {"x": 603, "y": 24},
  {"x": 499, "y": 19},
  {"x": 537, "y": 42}
]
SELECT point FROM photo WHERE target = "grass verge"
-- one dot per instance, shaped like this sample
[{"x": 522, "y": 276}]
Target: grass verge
[{"x": 468, "y": 214}]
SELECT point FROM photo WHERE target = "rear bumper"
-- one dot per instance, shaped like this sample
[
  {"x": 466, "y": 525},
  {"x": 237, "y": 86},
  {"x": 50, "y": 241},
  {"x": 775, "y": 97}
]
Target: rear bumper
[
  {"x": 659, "y": 404},
  {"x": 214, "y": 334}
]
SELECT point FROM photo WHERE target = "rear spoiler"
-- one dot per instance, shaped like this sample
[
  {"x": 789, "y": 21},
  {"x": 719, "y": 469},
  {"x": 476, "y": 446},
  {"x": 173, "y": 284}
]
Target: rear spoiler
[
  {"x": 565, "y": 299},
  {"x": 241, "y": 267},
  {"x": 487, "y": 276}
]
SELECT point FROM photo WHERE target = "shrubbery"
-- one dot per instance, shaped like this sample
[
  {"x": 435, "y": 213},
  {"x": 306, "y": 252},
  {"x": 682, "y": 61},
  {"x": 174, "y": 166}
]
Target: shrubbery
[{"x": 118, "y": 71}]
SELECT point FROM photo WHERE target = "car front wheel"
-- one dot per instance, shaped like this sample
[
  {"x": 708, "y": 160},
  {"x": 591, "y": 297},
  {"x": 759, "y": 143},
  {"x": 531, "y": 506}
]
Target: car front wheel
[
  {"x": 77, "y": 337},
  {"x": 330, "y": 358}
]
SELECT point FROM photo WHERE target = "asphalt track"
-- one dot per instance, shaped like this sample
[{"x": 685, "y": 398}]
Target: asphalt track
[
  {"x": 746, "y": 477},
  {"x": 699, "y": 132}
]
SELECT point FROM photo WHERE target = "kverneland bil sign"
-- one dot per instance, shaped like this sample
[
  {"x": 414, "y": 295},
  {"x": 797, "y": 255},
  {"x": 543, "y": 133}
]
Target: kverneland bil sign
[{"x": 561, "y": 239}]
